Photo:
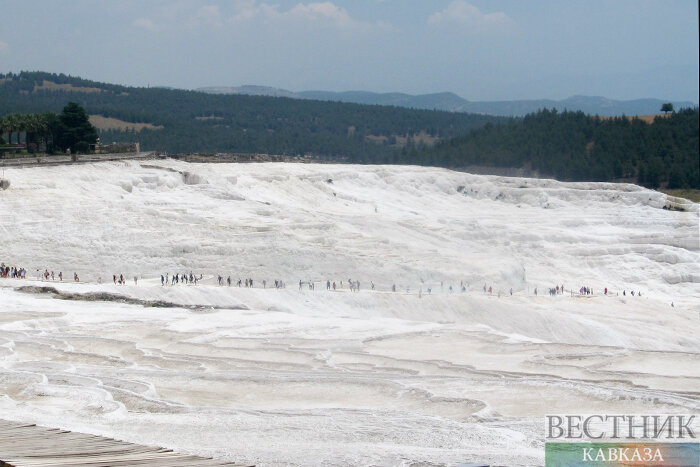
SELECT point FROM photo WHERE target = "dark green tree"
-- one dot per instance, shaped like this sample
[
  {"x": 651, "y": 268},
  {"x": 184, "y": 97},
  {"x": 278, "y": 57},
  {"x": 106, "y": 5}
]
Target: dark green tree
[
  {"x": 12, "y": 123},
  {"x": 75, "y": 130},
  {"x": 667, "y": 107},
  {"x": 4, "y": 128},
  {"x": 677, "y": 178}
]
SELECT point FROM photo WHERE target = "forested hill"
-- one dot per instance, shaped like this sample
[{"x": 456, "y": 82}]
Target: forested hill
[
  {"x": 188, "y": 121},
  {"x": 574, "y": 146},
  {"x": 594, "y": 105},
  {"x": 566, "y": 145}
]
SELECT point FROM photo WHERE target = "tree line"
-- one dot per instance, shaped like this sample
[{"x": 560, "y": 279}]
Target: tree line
[
  {"x": 574, "y": 146},
  {"x": 50, "y": 132},
  {"x": 564, "y": 145},
  {"x": 195, "y": 121}
]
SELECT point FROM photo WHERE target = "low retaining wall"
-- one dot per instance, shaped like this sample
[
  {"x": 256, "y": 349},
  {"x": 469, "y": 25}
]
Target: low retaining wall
[
  {"x": 241, "y": 157},
  {"x": 74, "y": 159}
]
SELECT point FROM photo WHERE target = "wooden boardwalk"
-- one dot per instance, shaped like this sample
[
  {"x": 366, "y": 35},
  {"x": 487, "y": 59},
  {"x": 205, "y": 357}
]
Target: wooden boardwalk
[{"x": 30, "y": 445}]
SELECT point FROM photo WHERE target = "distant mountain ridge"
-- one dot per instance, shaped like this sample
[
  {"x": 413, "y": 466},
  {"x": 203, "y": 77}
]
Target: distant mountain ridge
[
  {"x": 250, "y": 90},
  {"x": 451, "y": 102}
]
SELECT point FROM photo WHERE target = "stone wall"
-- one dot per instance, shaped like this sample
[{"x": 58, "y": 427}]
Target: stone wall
[{"x": 117, "y": 148}]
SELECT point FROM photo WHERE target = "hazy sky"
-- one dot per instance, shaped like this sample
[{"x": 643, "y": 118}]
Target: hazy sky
[{"x": 481, "y": 50}]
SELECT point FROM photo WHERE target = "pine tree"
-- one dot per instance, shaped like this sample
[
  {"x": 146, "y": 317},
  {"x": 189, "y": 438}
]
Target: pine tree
[{"x": 75, "y": 131}]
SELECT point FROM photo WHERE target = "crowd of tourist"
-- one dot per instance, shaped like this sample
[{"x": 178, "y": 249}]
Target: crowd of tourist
[{"x": 168, "y": 279}]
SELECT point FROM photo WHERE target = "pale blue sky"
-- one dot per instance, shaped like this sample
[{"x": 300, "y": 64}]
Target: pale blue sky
[{"x": 481, "y": 50}]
